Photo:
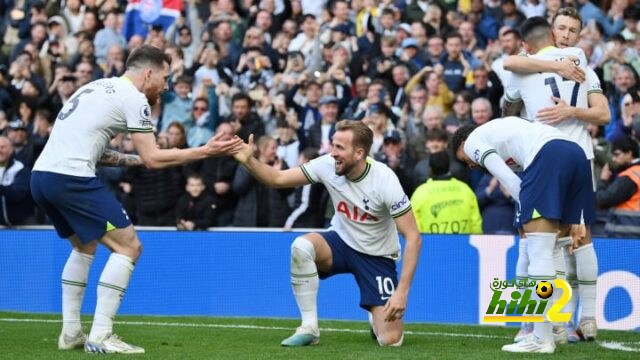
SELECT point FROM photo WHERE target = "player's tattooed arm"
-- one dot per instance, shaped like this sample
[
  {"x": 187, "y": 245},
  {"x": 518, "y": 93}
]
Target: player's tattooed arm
[
  {"x": 512, "y": 108},
  {"x": 114, "y": 158}
]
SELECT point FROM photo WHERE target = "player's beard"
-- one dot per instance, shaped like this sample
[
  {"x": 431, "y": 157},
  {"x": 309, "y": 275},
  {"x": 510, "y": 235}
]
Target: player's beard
[
  {"x": 346, "y": 167},
  {"x": 153, "y": 99}
]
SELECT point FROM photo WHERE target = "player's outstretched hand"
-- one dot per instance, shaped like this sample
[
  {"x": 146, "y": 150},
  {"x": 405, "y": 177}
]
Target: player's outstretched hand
[
  {"x": 217, "y": 145},
  {"x": 394, "y": 308},
  {"x": 245, "y": 152},
  {"x": 555, "y": 114},
  {"x": 569, "y": 70}
]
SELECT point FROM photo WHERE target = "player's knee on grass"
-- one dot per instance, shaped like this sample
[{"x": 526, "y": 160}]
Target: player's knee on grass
[{"x": 391, "y": 338}]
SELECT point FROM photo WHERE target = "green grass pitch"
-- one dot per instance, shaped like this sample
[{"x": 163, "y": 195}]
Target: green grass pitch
[{"x": 34, "y": 336}]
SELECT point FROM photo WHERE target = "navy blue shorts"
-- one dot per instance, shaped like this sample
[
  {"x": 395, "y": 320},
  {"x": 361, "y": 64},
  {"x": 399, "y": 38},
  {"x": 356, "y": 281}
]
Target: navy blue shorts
[
  {"x": 77, "y": 205},
  {"x": 558, "y": 186},
  {"x": 376, "y": 276}
]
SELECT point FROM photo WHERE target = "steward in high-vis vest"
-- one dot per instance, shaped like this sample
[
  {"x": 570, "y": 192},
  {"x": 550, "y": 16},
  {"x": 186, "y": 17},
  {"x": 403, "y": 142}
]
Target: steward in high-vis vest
[
  {"x": 445, "y": 205},
  {"x": 622, "y": 195}
]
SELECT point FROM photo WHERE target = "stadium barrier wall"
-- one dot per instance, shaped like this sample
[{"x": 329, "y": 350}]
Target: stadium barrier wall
[{"x": 246, "y": 274}]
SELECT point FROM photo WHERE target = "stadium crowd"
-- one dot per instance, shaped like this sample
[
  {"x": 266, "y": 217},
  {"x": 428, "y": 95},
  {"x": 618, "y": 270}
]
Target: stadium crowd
[{"x": 287, "y": 71}]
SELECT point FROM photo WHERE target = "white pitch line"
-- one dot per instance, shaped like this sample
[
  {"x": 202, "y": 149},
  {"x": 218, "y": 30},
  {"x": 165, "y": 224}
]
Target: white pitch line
[
  {"x": 614, "y": 345},
  {"x": 257, "y": 327}
]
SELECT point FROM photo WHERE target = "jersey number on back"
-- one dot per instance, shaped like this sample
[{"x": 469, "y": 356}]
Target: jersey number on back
[
  {"x": 74, "y": 104},
  {"x": 551, "y": 81}
]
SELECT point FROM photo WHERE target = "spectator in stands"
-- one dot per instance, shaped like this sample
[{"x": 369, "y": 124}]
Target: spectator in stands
[
  {"x": 436, "y": 141},
  {"x": 155, "y": 192},
  {"x": 486, "y": 84},
  {"x": 589, "y": 11},
  {"x": 14, "y": 187},
  {"x": 288, "y": 145},
  {"x": 625, "y": 79},
  {"x": 412, "y": 112},
  {"x": 431, "y": 119},
  {"x": 307, "y": 207},
  {"x": 218, "y": 174},
  {"x": 377, "y": 119},
  {"x": 254, "y": 68},
  {"x": 622, "y": 194},
  {"x": 259, "y": 205},
  {"x": 177, "y": 104},
  {"x": 461, "y": 114},
  {"x": 511, "y": 16},
  {"x": 445, "y": 205},
  {"x": 481, "y": 111},
  {"x": 195, "y": 209},
  {"x": 23, "y": 149},
  {"x": 496, "y": 206},
  {"x": 176, "y": 135},
  {"x": 394, "y": 155},
  {"x": 321, "y": 132},
  {"x": 456, "y": 66},
  {"x": 244, "y": 121},
  {"x": 199, "y": 130},
  {"x": 107, "y": 37},
  {"x": 309, "y": 113}
]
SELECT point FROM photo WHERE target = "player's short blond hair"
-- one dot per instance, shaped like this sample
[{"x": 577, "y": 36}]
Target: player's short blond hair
[
  {"x": 570, "y": 12},
  {"x": 362, "y": 135}
]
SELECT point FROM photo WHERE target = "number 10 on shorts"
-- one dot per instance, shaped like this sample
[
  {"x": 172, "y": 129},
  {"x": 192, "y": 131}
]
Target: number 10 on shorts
[{"x": 385, "y": 287}]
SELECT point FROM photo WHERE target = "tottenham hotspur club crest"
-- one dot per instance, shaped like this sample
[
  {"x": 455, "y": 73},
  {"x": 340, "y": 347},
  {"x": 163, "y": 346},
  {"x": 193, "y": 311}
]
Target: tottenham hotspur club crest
[{"x": 366, "y": 202}]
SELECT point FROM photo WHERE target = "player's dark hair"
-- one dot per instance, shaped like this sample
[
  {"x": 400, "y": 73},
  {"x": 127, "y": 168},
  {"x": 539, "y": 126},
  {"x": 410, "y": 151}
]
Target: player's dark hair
[
  {"x": 439, "y": 163},
  {"x": 362, "y": 135},
  {"x": 570, "y": 12},
  {"x": 461, "y": 135},
  {"x": 626, "y": 144},
  {"x": 147, "y": 55},
  {"x": 534, "y": 29}
]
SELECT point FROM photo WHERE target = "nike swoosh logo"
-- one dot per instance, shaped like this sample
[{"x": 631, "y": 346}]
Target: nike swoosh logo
[{"x": 385, "y": 297}]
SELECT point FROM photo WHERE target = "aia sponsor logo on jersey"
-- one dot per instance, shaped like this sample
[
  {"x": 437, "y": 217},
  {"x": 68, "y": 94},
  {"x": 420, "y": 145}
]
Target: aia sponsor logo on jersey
[{"x": 355, "y": 214}]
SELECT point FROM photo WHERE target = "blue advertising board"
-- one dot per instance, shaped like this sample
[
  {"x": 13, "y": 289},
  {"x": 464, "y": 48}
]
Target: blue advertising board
[{"x": 247, "y": 274}]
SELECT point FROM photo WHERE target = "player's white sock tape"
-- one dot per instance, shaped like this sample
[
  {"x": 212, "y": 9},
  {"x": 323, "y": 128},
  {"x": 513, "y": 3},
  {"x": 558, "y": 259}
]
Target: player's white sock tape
[
  {"x": 304, "y": 280},
  {"x": 572, "y": 278},
  {"x": 587, "y": 269},
  {"x": 74, "y": 284},
  {"x": 522, "y": 266},
  {"x": 111, "y": 288},
  {"x": 541, "y": 268},
  {"x": 558, "y": 257}
]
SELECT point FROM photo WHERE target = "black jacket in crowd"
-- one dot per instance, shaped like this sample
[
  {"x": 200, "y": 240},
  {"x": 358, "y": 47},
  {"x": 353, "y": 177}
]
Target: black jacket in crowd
[
  {"x": 199, "y": 210},
  {"x": 259, "y": 205}
]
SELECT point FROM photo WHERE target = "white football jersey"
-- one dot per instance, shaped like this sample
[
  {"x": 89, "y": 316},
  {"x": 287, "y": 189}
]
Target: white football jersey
[
  {"x": 365, "y": 207},
  {"x": 87, "y": 123},
  {"x": 516, "y": 140},
  {"x": 535, "y": 90}
]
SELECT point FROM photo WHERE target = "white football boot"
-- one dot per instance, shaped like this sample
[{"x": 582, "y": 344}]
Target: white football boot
[
  {"x": 66, "y": 342},
  {"x": 531, "y": 345},
  {"x": 111, "y": 344},
  {"x": 587, "y": 329}
]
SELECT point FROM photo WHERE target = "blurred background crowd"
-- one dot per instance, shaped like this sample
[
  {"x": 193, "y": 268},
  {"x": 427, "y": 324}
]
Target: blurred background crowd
[{"x": 287, "y": 71}]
